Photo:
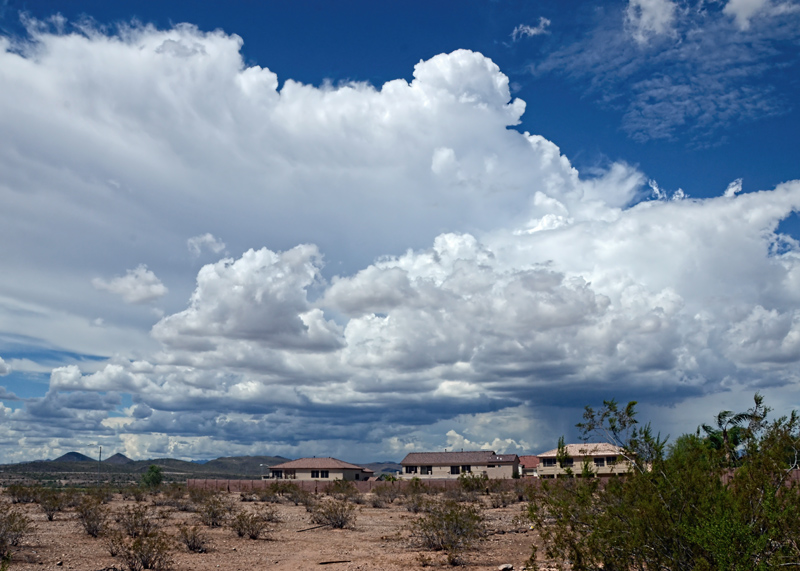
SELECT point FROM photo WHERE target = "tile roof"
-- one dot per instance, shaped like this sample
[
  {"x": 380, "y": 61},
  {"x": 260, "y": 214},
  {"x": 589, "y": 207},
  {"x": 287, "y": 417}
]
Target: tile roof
[
  {"x": 474, "y": 457},
  {"x": 529, "y": 461},
  {"x": 586, "y": 449},
  {"x": 318, "y": 464}
]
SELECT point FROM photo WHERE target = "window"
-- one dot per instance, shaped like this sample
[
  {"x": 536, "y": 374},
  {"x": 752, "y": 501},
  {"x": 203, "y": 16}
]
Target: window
[
  {"x": 277, "y": 474},
  {"x": 548, "y": 462},
  {"x": 466, "y": 469},
  {"x": 568, "y": 463},
  {"x": 611, "y": 460},
  {"x": 323, "y": 473},
  {"x": 455, "y": 470},
  {"x": 315, "y": 473},
  {"x": 411, "y": 469},
  {"x": 426, "y": 470},
  {"x": 600, "y": 462}
]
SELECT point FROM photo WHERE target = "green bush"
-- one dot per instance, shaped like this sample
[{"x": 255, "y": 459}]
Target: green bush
[
  {"x": 449, "y": 526},
  {"x": 473, "y": 483},
  {"x": 693, "y": 506},
  {"x": 153, "y": 478}
]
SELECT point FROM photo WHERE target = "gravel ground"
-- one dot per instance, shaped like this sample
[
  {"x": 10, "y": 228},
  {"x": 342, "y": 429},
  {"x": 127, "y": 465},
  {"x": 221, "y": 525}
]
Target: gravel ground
[{"x": 379, "y": 540}]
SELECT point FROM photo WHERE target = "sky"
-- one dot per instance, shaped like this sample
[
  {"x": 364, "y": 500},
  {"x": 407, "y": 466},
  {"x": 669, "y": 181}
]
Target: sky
[{"x": 362, "y": 229}]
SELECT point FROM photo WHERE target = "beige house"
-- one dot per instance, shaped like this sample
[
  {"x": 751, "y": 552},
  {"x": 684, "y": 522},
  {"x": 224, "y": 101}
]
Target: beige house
[
  {"x": 450, "y": 465},
  {"x": 603, "y": 459},
  {"x": 529, "y": 466},
  {"x": 318, "y": 469}
]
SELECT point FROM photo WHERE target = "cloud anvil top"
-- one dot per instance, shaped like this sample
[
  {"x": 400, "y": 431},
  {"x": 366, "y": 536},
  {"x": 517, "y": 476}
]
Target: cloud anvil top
[{"x": 198, "y": 257}]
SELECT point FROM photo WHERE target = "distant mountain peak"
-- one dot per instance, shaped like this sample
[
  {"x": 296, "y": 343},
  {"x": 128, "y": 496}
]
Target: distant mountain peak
[
  {"x": 118, "y": 459},
  {"x": 74, "y": 457}
]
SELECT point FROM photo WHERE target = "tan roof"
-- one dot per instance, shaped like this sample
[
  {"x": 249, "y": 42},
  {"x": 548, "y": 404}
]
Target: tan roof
[
  {"x": 318, "y": 464},
  {"x": 529, "y": 461},
  {"x": 471, "y": 458},
  {"x": 586, "y": 449}
]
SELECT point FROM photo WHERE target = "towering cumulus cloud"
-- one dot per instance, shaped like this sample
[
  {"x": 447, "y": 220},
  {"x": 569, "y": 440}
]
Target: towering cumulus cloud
[{"x": 409, "y": 271}]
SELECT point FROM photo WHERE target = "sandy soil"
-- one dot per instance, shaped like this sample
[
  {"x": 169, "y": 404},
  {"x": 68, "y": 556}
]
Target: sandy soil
[{"x": 380, "y": 539}]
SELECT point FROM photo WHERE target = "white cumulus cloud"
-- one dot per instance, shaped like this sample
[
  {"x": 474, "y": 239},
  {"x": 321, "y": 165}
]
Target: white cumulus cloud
[
  {"x": 207, "y": 241},
  {"x": 138, "y": 285}
]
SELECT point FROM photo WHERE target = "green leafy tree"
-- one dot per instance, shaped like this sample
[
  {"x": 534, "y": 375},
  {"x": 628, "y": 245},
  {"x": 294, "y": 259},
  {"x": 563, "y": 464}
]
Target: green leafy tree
[
  {"x": 153, "y": 478},
  {"x": 680, "y": 507}
]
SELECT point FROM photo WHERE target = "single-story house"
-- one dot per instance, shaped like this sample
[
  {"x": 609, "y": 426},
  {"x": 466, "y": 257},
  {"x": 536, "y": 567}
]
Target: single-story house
[
  {"x": 604, "y": 459},
  {"x": 430, "y": 465},
  {"x": 318, "y": 469},
  {"x": 528, "y": 466}
]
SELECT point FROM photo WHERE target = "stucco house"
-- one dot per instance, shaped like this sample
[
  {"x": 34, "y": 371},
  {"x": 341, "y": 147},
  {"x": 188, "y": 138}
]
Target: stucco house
[
  {"x": 528, "y": 466},
  {"x": 318, "y": 469},
  {"x": 604, "y": 459},
  {"x": 450, "y": 465}
]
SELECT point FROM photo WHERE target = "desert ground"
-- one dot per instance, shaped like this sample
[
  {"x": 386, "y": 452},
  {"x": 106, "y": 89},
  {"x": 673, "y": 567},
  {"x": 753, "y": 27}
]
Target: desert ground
[{"x": 380, "y": 538}]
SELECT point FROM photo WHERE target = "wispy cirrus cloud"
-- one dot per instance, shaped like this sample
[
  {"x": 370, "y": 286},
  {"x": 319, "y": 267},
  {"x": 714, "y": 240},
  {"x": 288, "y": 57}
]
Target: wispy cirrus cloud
[
  {"x": 686, "y": 68},
  {"x": 526, "y": 31}
]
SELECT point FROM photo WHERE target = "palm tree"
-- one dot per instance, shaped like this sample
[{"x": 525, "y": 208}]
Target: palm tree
[{"x": 729, "y": 432}]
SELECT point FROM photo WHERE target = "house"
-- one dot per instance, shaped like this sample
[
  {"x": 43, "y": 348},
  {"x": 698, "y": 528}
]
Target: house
[
  {"x": 450, "y": 465},
  {"x": 528, "y": 466},
  {"x": 604, "y": 460},
  {"x": 318, "y": 469}
]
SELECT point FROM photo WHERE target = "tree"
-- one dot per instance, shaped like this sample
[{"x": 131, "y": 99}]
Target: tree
[
  {"x": 153, "y": 477},
  {"x": 681, "y": 507}
]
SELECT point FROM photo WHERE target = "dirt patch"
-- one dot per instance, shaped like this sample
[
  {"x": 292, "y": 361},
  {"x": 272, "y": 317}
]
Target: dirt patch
[{"x": 380, "y": 540}]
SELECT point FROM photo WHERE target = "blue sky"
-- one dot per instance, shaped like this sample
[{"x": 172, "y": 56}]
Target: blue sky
[{"x": 236, "y": 229}]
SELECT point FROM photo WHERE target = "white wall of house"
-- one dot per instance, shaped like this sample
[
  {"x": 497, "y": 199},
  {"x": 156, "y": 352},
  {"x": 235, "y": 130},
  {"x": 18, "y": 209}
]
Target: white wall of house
[
  {"x": 318, "y": 474},
  {"x": 600, "y": 465},
  {"x": 453, "y": 472}
]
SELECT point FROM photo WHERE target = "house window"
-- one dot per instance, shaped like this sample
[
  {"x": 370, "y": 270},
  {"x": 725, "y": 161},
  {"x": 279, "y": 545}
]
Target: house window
[
  {"x": 455, "y": 470},
  {"x": 426, "y": 470},
  {"x": 568, "y": 462},
  {"x": 315, "y": 473},
  {"x": 466, "y": 469},
  {"x": 323, "y": 473},
  {"x": 277, "y": 474},
  {"x": 611, "y": 460},
  {"x": 411, "y": 469},
  {"x": 548, "y": 462},
  {"x": 599, "y": 462}
]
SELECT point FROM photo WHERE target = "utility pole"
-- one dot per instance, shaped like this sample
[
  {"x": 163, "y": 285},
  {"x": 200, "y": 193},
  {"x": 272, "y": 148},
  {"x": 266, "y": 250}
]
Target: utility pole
[{"x": 99, "y": 465}]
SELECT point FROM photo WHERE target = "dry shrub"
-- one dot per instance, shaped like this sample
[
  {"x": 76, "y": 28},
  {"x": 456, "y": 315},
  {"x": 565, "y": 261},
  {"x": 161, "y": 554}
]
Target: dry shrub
[
  {"x": 193, "y": 538},
  {"x": 502, "y": 499},
  {"x": 21, "y": 494},
  {"x": 138, "y": 521},
  {"x": 335, "y": 513},
  {"x": 387, "y": 492},
  {"x": 215, "y": 510},
  {"x": 450, "y": 527},
  {"x": 14, "y": 525},
  {"x": 51, "y": 501},
  {"x": 135, "y": 493},
  {"x": 147, "y": 552},
  {"x": 248, "y": 524},
  {"x": 92, "y": 514}
]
